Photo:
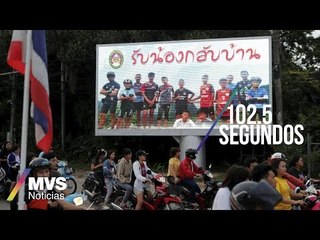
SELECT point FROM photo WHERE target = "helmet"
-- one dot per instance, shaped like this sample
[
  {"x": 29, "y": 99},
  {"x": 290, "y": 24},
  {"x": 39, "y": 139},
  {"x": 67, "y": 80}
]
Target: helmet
[
  {"x": 102, "y": 150},
  {"x": 39, "y": 163},
  {"x": 111, "y": 74},
  {"x": 127, "y": 81},
  {"x": 249, "y": 195},
  {"x": 255, "y": 79},
  {"x": 191, "y": 153},
  {"x": 278, "y": 155}
]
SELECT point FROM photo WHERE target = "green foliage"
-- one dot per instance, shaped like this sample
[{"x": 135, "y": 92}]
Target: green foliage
[{"x": 160, "y": 167}]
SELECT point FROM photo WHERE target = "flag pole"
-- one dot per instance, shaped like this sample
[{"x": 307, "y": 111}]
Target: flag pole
[{"x": 25, "y": 118}]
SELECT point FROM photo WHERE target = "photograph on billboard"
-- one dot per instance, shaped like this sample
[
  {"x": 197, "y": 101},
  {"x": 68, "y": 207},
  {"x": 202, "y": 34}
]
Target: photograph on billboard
[{"x": 178, "y": 88}]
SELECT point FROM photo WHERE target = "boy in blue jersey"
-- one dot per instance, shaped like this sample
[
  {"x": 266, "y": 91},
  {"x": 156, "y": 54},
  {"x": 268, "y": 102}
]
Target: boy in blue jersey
[{"x": 257, "y": 96}]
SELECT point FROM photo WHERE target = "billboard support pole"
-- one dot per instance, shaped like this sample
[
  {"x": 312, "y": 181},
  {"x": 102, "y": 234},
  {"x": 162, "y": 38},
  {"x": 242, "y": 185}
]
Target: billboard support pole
[
  {"x": 193, "y": 142},
  {"x": 276, "y": 76}
]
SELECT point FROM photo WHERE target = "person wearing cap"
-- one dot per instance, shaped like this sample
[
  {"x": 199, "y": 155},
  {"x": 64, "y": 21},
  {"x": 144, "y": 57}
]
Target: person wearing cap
[
  {"x": 206, "y": 97},
  {"x": 182, "y": 97},
  {"x": 164, "y": 99},
  {"x": 110, "y": 90},
  {"x": 150, "y": 92},
  {"x": 40, "y": 167},
  {"x": 126, "y": 97},
  {"x": 141, "y": 186}
]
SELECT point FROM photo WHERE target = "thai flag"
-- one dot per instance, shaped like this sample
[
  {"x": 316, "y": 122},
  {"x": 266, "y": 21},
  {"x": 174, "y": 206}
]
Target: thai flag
[{"x": 39, "y": 84}]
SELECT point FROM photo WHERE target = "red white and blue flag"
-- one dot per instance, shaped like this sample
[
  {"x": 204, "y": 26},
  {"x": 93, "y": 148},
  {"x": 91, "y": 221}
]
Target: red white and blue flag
[{"x": 39, "y": 84}]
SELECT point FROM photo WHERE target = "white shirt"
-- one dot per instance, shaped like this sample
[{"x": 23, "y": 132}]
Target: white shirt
[
  {"x": 180, "y": 124},
  {"x": 222, "y": 199}
]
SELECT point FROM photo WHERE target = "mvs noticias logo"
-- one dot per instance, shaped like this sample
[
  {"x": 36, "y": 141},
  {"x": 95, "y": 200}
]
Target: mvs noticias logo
[{"x": 40, "y": 187}]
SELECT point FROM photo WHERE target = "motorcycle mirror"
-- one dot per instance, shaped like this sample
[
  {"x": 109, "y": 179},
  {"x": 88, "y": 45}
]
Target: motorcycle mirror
[
  {"x": 210, "y": 166},
  {"x": 308, "y": 183},
  {"x": 148, "y": 171},
  {"x": 78, "y": 201},
  {"x": 297, "y": 189}
]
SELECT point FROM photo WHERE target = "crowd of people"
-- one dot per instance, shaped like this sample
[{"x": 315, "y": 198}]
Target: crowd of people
[
  {"x": 147, "y": 98},
  {"x": 253, "y": 185}
]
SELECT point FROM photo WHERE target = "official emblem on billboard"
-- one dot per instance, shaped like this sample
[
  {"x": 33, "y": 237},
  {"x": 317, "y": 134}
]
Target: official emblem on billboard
[{"x": 116, "y": 59}]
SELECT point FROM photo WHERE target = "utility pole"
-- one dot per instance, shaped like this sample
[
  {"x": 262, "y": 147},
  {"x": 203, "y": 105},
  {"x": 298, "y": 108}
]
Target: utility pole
[
  {"x": 63, "y": 107},
  {"x": 13, "y": 106},
  {"x": 276, "y": 76}
]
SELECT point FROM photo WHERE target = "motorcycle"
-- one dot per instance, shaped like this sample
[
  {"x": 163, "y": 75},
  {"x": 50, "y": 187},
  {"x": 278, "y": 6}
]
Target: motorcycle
[
  {"x": 203, "y": 200},
  {"x": 312, "y": 201},
  {"x": 160, "y": 200},
  {"x": 66, "y": 172},
  {"x": 4, "y": 184},
  {"x": 77, "y": 199},
  {"x": 90, "y": 189}
]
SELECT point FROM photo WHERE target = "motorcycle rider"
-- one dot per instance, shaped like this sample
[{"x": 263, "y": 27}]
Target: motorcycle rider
[
  {"x": 141, "y": 185},
  {"x": 188, "y": 170},
  {"x": 40, "y": 167},
  {"x": 97, "y": 167},
  {"x": 124, "y": 174},
  {"x": 249, "y": 195}
]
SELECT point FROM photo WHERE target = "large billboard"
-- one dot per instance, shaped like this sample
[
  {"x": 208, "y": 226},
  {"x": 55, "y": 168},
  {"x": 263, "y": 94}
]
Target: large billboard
[{"x": 179, "y": 88}]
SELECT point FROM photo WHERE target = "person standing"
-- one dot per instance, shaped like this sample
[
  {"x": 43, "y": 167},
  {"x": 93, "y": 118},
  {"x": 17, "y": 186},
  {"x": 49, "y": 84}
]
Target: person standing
[
  {"x": 222, "y": 97},
  {"x": 138, "y": 100},
  {"x": 126, "y": 108},
  {"x": 110, "y": 90},
  {"x": 242, "y": 88},
  {"x": 150, "y": 91},
  {"x": 165, "y": 99},
  {"x": 206, "y": 97},
  {"x": 182, "y": 97}
]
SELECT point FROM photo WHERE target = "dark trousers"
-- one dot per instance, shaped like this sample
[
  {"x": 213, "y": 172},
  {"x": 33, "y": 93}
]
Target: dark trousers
[{"x": 191, "y": 185}]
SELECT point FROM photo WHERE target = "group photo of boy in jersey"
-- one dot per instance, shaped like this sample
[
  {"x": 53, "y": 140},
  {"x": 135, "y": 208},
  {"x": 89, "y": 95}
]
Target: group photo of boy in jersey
[{"x": 154, "y": 103}]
